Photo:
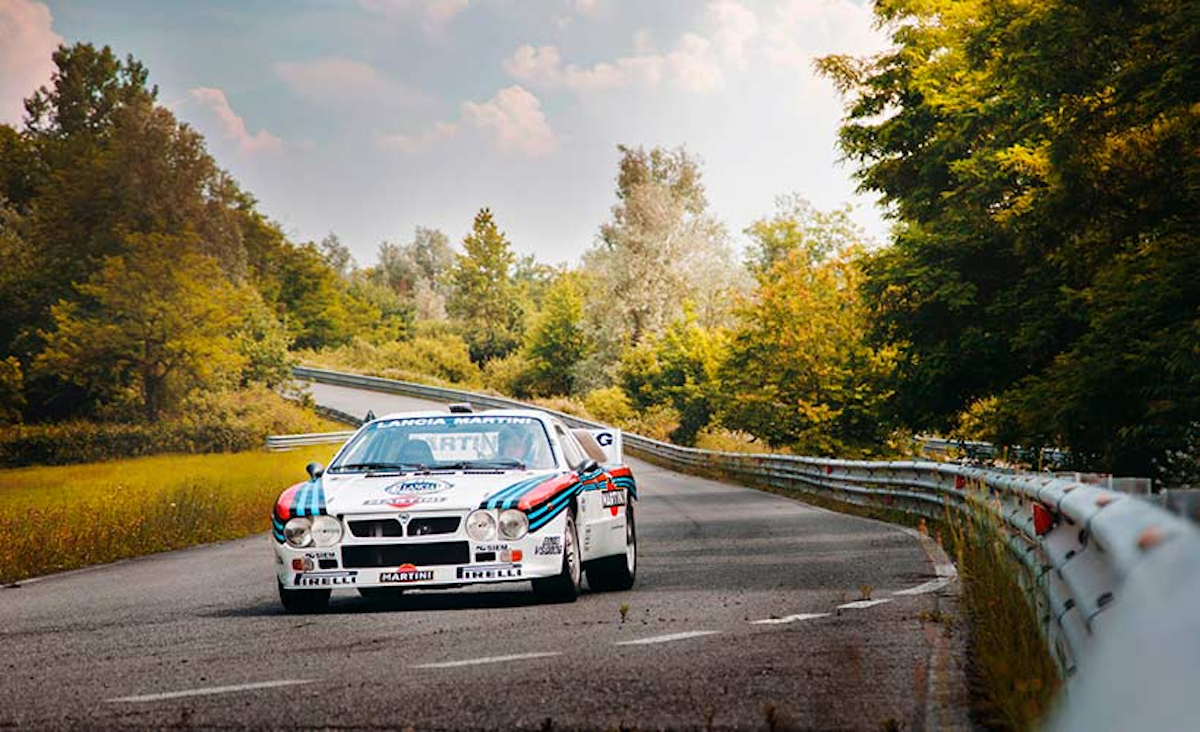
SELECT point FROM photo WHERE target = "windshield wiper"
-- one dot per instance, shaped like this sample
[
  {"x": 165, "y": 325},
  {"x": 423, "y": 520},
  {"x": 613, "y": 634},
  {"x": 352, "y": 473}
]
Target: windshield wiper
[
  {"x": 503, "y": 463},
  {"x": 350, "y": 467}
]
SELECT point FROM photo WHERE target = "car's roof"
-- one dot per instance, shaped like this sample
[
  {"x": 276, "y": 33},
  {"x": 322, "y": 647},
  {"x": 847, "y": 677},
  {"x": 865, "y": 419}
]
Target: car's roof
[{"x": 534, "y": 413}]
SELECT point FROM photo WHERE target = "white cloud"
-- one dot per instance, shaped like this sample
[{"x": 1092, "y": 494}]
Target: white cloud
[
  {"x": 346, "y": 84},
  {"x": 232, "y": 126},
  {"x": 26, "y": 45},
  {"x": 434, "y": 14},
  {"x": 515, "y": 120},
  {"x": 440, "y": 132},
  {"x": 694, "y": 64},
  {"x": 587, "y": 7},
  {"x": 735, "y": 25},
  {"x": 804, "y": 30}
]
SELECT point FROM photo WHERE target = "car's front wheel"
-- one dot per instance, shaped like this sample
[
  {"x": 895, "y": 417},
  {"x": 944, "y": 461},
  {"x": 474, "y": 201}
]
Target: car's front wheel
[
  {"x": 299, "y": 602},
  {"x": 565, "y": 586},
  {"x": 617, "y": 572}
]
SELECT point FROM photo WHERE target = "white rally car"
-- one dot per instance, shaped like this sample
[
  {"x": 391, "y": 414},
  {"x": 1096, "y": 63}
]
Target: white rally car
[{"x": 438, "y": 500}]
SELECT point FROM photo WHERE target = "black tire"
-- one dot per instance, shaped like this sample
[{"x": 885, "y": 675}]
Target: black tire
[
  {"x": 302, "y": 602},
  {"x": 565, "y": 586},
  {"x": 617, "y": 572}
]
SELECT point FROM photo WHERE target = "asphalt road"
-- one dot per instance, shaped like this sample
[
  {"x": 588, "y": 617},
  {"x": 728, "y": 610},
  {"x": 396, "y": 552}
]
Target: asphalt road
[{"x": 748, "y": 613}]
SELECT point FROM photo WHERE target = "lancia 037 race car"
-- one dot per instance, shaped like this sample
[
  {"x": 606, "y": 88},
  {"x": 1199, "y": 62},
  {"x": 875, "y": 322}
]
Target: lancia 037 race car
[{"x": 441, "y": 500}]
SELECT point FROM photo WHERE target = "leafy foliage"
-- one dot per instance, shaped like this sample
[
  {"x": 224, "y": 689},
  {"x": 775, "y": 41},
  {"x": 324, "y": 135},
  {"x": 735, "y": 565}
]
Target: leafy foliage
[
  {"x": 558, "y": 339},
  {"x": 484, "y": 295},
  {"x": 1040, "y": 158}
]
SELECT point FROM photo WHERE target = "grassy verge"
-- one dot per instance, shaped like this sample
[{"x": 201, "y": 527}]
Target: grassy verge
[
  {"x": 1013, "y": 675},
  {"x": 58, "y": 518}
]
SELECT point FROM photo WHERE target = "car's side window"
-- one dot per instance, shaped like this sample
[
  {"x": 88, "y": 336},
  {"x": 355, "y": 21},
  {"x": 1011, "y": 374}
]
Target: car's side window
[{"x": 571, "y": 451}]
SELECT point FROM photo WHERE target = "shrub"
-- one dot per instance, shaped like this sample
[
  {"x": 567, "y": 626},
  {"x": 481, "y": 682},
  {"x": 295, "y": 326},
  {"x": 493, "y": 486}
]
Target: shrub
[
  {"x": 511, "y": 375},
  {"x": 220, "y": 422},
  {"x": 441, "y": 360},
  {"x": 609, "y": 405}
]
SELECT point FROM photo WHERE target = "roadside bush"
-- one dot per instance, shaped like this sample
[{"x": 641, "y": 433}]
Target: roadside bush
[
  {"x": 511, "y": 375},
  {"x": 609, "y": 405},
  {"x": 440, "y": 360},
  {"x": 219, "y": 422}
]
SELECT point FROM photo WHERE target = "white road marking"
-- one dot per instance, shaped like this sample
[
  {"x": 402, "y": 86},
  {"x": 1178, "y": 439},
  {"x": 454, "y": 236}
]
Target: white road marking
[
  {"x": 487, "y": 659},
  {"x": 859, "y": 604},
  {"x": 213, "y": 690},
  {"x": 667, "y": 638},
  {"x": 789, "y": 619},
  {"x": 930, "y": 586}
]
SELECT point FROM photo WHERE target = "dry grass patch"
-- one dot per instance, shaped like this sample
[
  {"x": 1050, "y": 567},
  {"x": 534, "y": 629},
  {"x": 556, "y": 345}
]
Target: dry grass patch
[{"x": 58, "y": 518}]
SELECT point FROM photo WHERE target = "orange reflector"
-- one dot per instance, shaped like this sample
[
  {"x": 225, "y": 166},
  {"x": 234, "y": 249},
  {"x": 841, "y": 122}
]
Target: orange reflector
[
  {"x": 1043, "y": 519},
  {"x": 298, "y": 564},
  {"x": 517, "y": 554}
]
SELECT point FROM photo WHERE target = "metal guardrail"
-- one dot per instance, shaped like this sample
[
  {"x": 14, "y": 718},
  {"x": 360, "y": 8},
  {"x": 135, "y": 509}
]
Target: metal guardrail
[
  {"x": 1089, "y": 555},
  {"x": 279, "y": 443}
]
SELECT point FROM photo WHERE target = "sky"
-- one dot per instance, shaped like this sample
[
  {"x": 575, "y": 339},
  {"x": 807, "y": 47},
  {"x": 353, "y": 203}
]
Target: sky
[{"x": 368, "y": 118}]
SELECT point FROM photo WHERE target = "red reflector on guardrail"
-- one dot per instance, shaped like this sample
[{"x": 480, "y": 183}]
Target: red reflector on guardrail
[{"x": 1043, "y": 519}]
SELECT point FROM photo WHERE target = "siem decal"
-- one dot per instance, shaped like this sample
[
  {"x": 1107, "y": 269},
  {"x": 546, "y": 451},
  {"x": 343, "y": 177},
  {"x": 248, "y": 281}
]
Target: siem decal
[
  {"x": 497, "y": 571},
  {"x": 325, "y": 579},
  {"x": 491, "y": 547},
  {"x": 550, "y": 546},
  {"x": 318, "y": 556},
  {"x": 406, "y": 573}
]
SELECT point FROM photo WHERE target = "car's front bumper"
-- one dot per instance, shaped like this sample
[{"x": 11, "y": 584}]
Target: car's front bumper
[{"x": 448, "y": 560}]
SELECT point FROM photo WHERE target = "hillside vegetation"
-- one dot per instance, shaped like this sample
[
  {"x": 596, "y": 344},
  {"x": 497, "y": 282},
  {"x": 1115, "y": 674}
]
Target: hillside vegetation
[{"x": 1037, "y": 289}]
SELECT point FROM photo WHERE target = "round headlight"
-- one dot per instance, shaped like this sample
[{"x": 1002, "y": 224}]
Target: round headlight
[
  {"x": 298, "y": 531},
  {"x": 326, "y": 531},
  {"x": 481, "y": 526},
  {"x": 513, "y": 524}
]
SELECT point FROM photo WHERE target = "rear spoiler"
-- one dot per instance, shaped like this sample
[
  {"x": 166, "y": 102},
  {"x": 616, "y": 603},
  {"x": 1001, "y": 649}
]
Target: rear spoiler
[{"x": 603, "y": 445}]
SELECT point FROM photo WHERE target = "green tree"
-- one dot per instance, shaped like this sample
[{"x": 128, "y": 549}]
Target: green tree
[
  {"x": 661, "y": 247},
  {"x": 484, "y": 296},
  {"x": 799, "y": 372},
  {"x": 150, "y": 326},
  {"x": 1036, "y": 155},
  {"x": 680, "y": 368},
  {"x": 558, "y": 338},
  {"x": 416, "y": 271}
]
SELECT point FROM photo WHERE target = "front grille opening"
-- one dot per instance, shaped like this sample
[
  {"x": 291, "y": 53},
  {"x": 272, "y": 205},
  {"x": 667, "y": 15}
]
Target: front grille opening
[
  {"x": 372, "y": 528},
  {"x": 393, "y": 555},
  {"x": 430, "y": 526}
]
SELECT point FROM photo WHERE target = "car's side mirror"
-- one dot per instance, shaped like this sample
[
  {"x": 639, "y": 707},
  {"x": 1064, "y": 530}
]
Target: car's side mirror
[
  {"x": 587, "y": 466},
  {"x": 315, "y": 470}
]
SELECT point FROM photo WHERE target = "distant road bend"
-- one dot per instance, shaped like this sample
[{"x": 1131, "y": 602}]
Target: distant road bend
[{"x": 750, "y": 610}]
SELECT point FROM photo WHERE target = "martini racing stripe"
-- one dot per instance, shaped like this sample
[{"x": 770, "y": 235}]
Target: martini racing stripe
[
  {"x": 514, "y": 491},
  {"x": 309, "y": 500},
  {"x": 277, "y": 529}
]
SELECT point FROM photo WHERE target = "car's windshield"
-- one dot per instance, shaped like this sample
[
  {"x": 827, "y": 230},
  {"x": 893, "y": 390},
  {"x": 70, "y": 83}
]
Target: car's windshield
[{"x": 451, "y": 442}]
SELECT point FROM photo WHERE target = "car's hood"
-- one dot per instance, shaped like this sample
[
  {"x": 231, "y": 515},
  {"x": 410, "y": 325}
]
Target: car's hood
[{"x": 360, "y": 493}]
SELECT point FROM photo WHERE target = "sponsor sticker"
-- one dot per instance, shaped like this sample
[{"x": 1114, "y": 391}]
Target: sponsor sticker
[
  {"x": 550, "y": 546},
  {"x": 318, "y": 556},
  {"x": 404, "y": 501},
  {"x": 609, "y": 499},
  {"x": 326, "y": 579},
  {"x": 491, "y": 547},
  {"x": 416, "y": 487},
  {"x": 495, "y": 571},
  {"x": 406, "y": 573},
  {"x": 604, "y": 439}
]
